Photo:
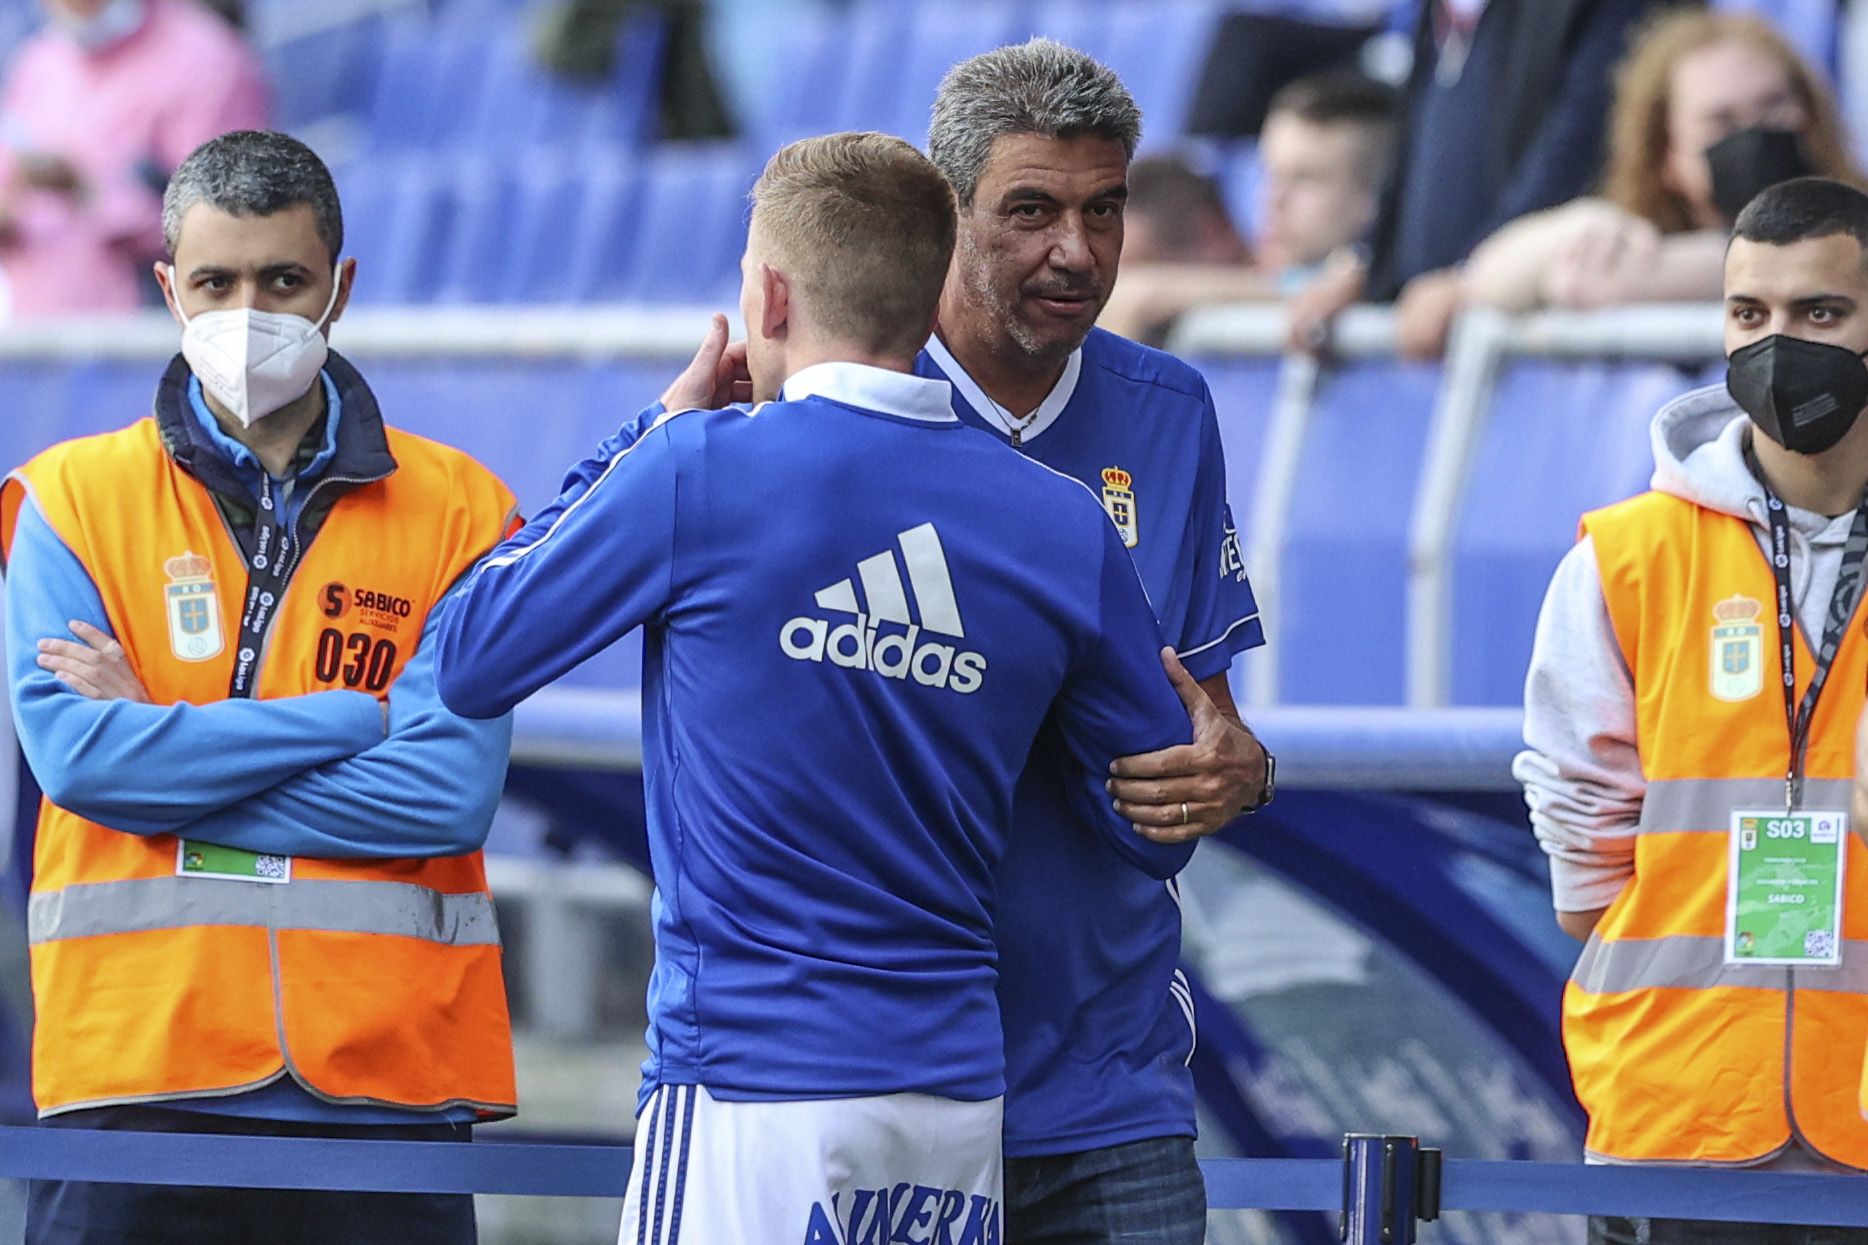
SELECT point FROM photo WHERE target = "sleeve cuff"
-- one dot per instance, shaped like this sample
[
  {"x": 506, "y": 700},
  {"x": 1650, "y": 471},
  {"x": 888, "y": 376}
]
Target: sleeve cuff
[{"x": 1211, "y": 657}]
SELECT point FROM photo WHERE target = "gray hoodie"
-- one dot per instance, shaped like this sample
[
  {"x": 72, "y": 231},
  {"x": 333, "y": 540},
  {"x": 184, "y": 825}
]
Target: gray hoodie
[{"x": 1582, "y": 770}]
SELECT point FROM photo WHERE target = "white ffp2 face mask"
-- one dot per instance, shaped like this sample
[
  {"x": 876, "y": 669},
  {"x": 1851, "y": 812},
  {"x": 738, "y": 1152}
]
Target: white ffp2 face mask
[{"x": 255, "y": 362}]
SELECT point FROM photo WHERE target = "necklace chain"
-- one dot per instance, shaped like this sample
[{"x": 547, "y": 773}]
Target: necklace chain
[{"x": 1013, "y": 424}]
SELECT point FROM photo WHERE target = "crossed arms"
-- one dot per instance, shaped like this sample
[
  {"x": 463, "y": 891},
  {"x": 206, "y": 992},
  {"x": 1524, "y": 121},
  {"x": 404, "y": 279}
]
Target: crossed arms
[{"x": 330, "y": 774}]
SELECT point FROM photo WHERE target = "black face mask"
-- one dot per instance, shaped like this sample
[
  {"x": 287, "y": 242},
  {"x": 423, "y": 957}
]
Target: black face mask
[
  {"x": 1747, "y": 163},
  {"x": 1804, "y": 395}
]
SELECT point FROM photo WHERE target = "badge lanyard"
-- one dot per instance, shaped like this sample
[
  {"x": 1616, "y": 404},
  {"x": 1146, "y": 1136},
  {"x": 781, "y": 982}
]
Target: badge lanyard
[
  {"x": 268, "y": 572},
  {"x": 1798, "y": 717}
]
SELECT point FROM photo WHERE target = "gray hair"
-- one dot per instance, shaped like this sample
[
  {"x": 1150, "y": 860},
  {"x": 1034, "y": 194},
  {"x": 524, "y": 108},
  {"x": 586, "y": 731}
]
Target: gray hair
[
  {"x": 254, "y": 173},
  {"x": 1040, "y": 87}
]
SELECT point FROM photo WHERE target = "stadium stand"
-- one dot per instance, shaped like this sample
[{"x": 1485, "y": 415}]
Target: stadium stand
[{"x": 472, "y": 178}]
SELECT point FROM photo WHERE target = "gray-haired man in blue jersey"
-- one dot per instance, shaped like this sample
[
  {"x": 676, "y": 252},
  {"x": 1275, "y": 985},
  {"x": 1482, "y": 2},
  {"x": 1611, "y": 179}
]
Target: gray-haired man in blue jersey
[{"x": 1099, "y": 1110}]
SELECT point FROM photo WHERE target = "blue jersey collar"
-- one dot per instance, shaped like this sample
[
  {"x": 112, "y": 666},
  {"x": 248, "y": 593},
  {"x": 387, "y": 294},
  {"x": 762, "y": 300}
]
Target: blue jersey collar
[
  {"x": 901, "y": 394},
  {"x": 996, "y": 416}
]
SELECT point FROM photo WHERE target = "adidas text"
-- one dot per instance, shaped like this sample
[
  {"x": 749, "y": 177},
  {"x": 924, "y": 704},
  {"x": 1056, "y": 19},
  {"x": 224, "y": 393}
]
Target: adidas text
[{"x": 859, "y": 645}]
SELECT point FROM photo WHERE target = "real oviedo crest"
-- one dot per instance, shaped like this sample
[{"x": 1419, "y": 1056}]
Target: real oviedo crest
[
  {"x": 194, "y": 608},
  {"x": 1119, "y": 501},
  {"x": 1737, "y": 649}
]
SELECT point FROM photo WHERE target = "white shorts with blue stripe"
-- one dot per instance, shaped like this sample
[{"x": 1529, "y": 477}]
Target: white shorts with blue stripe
[{"x": 839, "y": 1171}]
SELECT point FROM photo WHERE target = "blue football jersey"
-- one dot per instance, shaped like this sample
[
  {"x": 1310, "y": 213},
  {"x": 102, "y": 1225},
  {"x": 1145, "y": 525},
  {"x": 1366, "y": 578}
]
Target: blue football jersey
[
  {"x": 1099, "y": 1028},
  {"x": 858, "y": 614}
]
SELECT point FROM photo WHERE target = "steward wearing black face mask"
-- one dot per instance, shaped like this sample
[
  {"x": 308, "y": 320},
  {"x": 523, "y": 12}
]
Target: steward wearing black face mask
[{"x": 1699, "y": 668}]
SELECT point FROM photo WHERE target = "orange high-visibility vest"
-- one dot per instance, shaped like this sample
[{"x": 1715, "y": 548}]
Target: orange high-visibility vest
[
  {"x": 368, "y": 981},
  {"x": 1677, "y": 1056}
]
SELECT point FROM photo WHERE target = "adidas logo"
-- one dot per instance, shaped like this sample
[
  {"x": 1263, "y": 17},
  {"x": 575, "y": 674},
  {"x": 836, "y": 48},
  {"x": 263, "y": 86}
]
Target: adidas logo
[{"x": 870, "y": 640}]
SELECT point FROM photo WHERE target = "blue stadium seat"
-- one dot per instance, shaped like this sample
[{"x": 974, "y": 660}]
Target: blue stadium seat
[
  {"x": 1158, "y": 46},
  {"x": 627, "y": 112},
  {"x": 365, "y": 188},
  {"x": 691, "y": 226},
  {"x": 1243, "y": 393},
  {"x": 1562, "y": 438},
  {"x": 535, "y": 255},
  {"x": 872, "y": 42},
  {"x": 940, "y": 34},
  {"x": 1340, "y": 620},
  {"x": 523, "y": 106},
  {"x": 325, "y": 74},
  {"x": 399, "y": 218},
  {"x": 479, "y": 10},
  {"x": 602, "y": 246},
  {"x": 17, "y": 21},
  {"x": 809, "y": 67},
  {"x": 426, "y": 83},
  {"x": 1811, "y": 25},
  {"x": 473, "y": 269},
  {"x": 1085, "y": 26}
]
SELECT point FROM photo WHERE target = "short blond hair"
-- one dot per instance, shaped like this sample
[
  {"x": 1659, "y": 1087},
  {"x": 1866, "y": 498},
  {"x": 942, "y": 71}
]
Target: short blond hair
[{"x": 863, "y": 225}]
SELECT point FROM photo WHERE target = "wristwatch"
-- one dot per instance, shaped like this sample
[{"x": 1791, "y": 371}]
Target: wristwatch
[{"x": 1269, "y": 789}]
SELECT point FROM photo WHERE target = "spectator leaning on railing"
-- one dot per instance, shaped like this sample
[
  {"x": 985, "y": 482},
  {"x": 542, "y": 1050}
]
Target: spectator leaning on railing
[
  {"x": 97, "y": 111},
  {"x": 1326, "y": 147},
  {"x": 1691, "y": 794},
  {"x": 1710, "y": 109},
  {"x": 1504, "y": 110}
]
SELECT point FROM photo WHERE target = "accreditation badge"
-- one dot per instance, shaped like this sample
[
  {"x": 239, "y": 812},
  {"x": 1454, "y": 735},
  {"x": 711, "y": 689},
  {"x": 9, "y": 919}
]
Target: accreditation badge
[
  {"x": 194, "y": 859},
  {"x": 1783, "y": 900}
]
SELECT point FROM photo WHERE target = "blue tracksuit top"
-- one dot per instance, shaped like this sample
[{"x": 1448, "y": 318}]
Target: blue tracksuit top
[{"x": 859, "y": 612}]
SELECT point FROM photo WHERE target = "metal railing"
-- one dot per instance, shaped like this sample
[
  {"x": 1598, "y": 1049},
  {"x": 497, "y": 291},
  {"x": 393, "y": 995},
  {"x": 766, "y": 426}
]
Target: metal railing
[
  {"x": 1482, "y": 344},
  {"x": 595, "y": 332},
  {"x": 1379, "y": 1188}
]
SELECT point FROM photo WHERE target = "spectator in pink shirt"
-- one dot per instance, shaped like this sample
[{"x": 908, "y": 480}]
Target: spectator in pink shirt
[{"x": 97, "y": 110}]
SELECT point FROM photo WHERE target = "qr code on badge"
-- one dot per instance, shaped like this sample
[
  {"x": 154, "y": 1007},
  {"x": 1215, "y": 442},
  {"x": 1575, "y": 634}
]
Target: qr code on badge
[
  {"x": 1819, "y": 944},
  {"x": 274, "y": 867}
]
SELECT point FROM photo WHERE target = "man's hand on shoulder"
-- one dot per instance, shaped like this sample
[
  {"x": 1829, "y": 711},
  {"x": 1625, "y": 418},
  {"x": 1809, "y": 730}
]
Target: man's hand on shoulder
[
  {"x": 1191, "y": 790},
  {"x": 716, "y": 377},
  {"x": 94, "y": 665}
]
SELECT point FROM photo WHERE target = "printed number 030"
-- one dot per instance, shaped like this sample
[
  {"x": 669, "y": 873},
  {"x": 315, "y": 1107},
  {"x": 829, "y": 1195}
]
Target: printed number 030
[{"x": 361, "y": 661}]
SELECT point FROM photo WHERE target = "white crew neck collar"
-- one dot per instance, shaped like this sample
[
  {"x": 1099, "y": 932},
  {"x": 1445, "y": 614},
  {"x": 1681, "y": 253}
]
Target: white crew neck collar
[
  {"x": 877, "y": 389},
  {"x": 1029, "y": 429}
]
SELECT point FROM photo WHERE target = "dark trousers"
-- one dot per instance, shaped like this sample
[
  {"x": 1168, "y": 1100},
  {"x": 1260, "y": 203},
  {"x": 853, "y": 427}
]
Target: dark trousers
[
  {"x": 1609, "y": 1231},
  {"x": 1144, "y": 1193},
  {"x": 70, "y": 1212}
]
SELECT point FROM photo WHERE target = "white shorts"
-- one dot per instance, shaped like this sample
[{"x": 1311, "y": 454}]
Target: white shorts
[{"x": 839, "y": 1171}]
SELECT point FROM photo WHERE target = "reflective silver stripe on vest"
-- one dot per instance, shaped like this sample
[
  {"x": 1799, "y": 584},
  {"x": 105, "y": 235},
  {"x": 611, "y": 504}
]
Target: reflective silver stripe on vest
[
  {"x": 397, "y": 908},
  {"x": 1708, "y": 803},
  {"x": 1696, "y": 963}
]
